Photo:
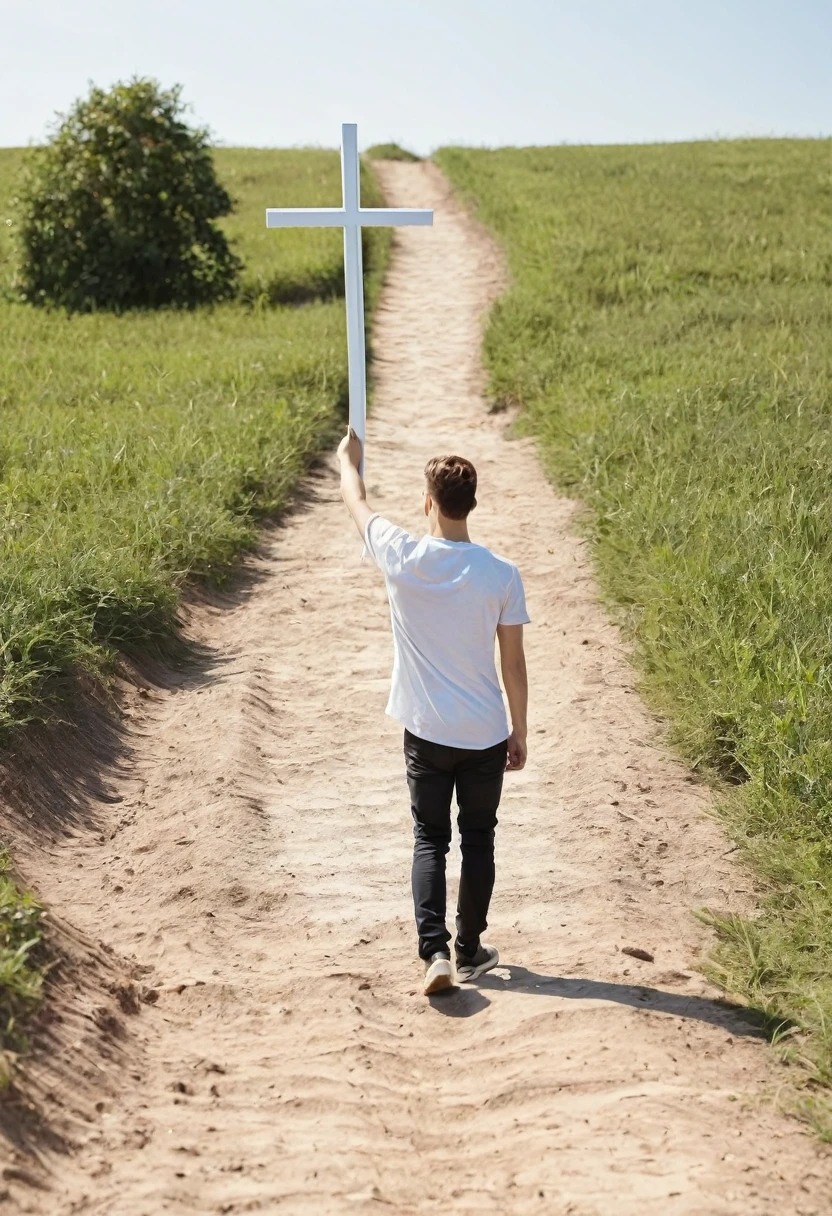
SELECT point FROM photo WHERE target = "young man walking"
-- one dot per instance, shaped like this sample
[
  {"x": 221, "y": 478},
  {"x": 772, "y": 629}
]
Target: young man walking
[{"x": 449, "y": 600}]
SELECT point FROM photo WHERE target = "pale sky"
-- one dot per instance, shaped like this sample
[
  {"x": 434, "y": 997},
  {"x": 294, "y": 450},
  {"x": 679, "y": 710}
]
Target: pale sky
[{"x": 278, "y": 73}]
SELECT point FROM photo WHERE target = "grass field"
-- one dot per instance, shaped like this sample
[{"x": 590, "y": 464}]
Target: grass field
[
  {"x": 667, "y": 334},
  {"x": 137, "y": 451},
  {"x": 142, "y": 449}
]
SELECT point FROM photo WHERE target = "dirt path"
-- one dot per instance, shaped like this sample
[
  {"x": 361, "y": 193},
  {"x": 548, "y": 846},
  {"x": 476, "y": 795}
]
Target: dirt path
[{"x": 261, "y": 858}]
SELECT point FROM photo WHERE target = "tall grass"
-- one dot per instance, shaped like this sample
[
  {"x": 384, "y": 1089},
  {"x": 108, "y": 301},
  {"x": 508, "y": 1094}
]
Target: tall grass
[
  {"x": 139, "y": 450},
  {"x": 668, "y": 335},
  {"x": 21, "y": 965}
]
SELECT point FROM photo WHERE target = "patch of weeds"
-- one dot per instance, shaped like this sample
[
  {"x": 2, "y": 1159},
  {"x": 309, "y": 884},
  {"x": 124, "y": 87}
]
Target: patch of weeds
[{"x": 22, "y": 964}]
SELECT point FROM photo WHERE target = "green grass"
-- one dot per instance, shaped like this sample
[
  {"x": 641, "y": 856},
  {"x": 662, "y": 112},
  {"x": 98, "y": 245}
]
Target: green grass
[
  {"x": 137, "y": 451},
  {"x": 21, "y": 964},
  {"x": 390, "y": 152},
  {"x": 668, "y": 336}
]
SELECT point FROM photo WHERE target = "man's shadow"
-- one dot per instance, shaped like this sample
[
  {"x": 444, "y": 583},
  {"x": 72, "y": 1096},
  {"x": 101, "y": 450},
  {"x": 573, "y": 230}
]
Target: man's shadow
[{"x": 470, "y": 999}]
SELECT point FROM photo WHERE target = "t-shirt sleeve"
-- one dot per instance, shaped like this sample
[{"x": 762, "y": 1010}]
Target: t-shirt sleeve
[
  {"x": 385, "y": 542},
  {"x": 514, "y": 606}
]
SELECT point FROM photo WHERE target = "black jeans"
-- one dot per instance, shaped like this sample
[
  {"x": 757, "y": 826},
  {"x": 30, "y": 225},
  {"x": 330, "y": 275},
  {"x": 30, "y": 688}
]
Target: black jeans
[{"x": 432, "y": 772}]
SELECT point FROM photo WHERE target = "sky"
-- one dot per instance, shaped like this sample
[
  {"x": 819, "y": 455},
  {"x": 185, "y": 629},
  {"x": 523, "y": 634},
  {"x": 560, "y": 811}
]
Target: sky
[{"x": 282, "y": 73}]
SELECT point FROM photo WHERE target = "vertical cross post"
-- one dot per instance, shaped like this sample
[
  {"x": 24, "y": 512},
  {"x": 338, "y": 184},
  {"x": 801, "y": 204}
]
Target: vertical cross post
[
  {"x": 354, "y": 284},
  {"x": 352, "y": 218}
]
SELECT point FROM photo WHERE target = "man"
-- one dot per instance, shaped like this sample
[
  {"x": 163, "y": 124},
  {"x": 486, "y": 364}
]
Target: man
[{"x": 449, "y": 599}]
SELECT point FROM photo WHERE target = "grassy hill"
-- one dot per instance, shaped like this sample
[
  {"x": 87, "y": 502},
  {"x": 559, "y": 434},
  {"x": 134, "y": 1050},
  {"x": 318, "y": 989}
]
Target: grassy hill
[
  {"x": 138, "y": 451},
  {"x": 667, "y": 334}
]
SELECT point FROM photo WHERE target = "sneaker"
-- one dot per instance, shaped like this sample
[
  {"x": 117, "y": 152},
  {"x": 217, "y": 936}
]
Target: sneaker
[
  {"x": 438, "y": 974},
  {"x": 471, "y": 968}
]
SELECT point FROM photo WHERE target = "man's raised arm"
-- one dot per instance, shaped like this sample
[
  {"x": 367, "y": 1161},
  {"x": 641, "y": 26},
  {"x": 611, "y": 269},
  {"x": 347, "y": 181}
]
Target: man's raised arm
[{"x": 352, "y": 486}]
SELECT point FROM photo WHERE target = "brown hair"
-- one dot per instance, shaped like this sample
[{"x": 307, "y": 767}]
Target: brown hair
[{"x": 452, "y": 484}]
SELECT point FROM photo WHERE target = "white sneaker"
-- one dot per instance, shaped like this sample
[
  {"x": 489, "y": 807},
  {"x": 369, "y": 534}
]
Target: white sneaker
[{"x": 438, "y": 974}]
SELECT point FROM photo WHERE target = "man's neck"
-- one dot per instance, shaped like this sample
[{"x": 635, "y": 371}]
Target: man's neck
[{"x": 450, "y": 529}]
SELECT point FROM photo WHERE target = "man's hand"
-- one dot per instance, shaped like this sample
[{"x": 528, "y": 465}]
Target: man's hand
[
  {"x": 517, "y": 752},
  {"x": 349, "y": 448},
  {"x": 352, "y": 486}
]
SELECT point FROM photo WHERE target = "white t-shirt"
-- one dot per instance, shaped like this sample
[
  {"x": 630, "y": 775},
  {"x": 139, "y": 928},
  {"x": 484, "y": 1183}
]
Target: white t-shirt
[{"x": 446, "y": 599}]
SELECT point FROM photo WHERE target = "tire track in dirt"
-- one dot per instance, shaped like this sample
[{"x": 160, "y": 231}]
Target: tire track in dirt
[{"x": 259, "y": 874}]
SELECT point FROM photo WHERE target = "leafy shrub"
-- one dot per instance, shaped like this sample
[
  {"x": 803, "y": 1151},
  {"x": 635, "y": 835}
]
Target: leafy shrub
[{"x": 117, "y": 208}]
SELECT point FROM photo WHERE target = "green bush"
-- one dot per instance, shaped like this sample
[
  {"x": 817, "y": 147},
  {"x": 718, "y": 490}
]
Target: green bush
[{"x": 117, "y": 209}]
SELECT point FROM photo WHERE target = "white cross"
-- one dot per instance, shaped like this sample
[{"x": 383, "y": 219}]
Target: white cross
[{"x": 352, "y": 218}]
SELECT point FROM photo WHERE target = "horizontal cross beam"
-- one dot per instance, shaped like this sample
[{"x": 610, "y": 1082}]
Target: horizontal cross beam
[
  {"x": 352, "y": 217},
  {"x": 339, "y": 217}
]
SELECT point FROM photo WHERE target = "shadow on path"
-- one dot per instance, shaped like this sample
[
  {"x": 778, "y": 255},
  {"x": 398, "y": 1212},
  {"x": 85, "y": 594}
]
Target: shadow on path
[{"x": 466, "y": 1001}]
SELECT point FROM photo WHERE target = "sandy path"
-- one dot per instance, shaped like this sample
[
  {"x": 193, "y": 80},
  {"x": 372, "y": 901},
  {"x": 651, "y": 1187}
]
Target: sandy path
[{"x": 261, "y": 856}]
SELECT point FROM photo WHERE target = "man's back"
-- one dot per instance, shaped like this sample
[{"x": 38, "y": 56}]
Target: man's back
[{"x": 447, "y": 598}]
